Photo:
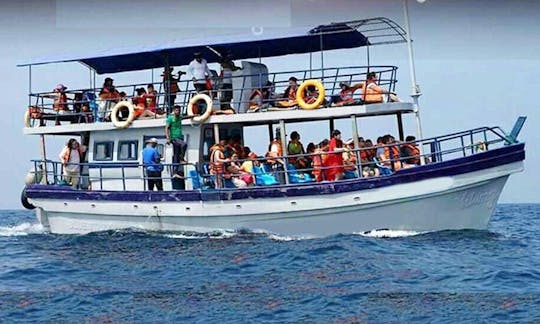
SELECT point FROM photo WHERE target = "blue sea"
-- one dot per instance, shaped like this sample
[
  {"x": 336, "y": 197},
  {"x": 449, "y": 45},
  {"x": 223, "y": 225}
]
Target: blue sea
[{"x": 381, "y": 277}]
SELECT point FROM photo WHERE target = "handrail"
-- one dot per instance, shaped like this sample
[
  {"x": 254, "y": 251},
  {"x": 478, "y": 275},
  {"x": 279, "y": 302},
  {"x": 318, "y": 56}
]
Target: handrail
[
  {"x": 474, "y": 141},
  {"x": 330, "y": 78}
]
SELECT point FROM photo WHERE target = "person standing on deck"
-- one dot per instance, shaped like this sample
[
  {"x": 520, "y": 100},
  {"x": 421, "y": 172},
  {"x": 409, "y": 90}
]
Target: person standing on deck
[
  {"x": 200, "y": 73},
  {"x": 334, "y": 162},
  {"x": 71, "y": 157},
  {"x": 173, "y": 133},
  {"x": 227, "y": 69},
  {"x": 152, "y": 165}
]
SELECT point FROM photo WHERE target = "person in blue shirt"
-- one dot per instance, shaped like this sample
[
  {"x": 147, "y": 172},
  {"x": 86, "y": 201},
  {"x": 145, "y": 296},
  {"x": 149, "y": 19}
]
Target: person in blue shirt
[{"x": 152, "y": 165}]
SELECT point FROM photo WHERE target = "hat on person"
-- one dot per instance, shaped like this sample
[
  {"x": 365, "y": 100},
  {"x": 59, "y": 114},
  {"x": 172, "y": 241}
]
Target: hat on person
[
  {"x": 152, "y": 140},
  {"x": 60, "y": 87},
  {"x": 349, "y": 141},
  {"x": 108, "y": 79},
  {"x": 341, "y": 84},
  {"x": 197, "y": 54}
]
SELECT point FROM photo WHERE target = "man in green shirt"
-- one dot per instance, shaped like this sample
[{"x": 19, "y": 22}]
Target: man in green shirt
[{"x": 173, "y": 132}]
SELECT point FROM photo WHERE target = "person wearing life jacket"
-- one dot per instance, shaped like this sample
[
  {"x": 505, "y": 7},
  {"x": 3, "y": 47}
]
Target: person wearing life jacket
[
  {"x": 217, "y": 163},
  {"x": 150, "y": 98},
  {"x": 373, "y": 93},
  {"x": 60, "y": 99},
  {"x": 275, "y": 149},
  {"x": 410, "y": 151},
  {"x": 346, "y": 94},
  {"x": 289, "y": 96},
  {"x": 262, "y": 98},
  {"x": 141, "y": 110},
  {"x": 319, "y": 160},
  {"x": 71, "y": 157},
  {"x": 172, "y": 81},
  {"x": 390, "y": 156}
]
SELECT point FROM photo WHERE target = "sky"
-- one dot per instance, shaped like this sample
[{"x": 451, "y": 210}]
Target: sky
[{"x": 477, "y": 62}]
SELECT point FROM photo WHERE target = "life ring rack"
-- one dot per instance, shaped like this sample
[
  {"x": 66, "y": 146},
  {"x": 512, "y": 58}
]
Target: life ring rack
[
  {"x": 300, "y": 94},
  {"x": 193, "y": 101}
]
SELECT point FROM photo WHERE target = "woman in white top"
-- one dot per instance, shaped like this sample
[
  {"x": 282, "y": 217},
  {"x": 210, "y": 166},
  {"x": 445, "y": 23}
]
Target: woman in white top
[{"x": 70, "y": 157}]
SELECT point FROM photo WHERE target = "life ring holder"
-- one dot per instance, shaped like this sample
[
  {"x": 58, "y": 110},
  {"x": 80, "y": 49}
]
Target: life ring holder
[
  {"x": 116, "y": 109},
  {"x": 202, "y": 118},
  {"x": 300, "y": 94}
]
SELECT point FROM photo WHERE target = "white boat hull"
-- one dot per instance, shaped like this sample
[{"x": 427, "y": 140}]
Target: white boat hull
[{"x": 464, "y": 201}]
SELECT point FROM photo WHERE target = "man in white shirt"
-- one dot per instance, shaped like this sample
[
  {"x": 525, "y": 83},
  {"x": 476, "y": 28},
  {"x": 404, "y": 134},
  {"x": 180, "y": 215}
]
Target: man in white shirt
[{"x": 199, "y": 71}]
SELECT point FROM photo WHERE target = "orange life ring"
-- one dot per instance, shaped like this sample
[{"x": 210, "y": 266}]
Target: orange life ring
[{"x": 300, "y": 94}]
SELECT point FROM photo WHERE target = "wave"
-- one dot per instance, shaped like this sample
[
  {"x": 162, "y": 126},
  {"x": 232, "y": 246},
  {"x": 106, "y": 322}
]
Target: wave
[
  {"x": 22, "y": 229},
  {"x": 386, "y": 233}
]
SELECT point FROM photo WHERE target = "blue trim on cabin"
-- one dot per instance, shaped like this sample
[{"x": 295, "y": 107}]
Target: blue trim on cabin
[{"x": 476, "y": 162}]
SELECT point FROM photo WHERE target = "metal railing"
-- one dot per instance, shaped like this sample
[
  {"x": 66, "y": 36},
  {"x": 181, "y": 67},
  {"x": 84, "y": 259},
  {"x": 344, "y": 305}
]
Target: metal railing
[
  {"x": 98, "y": 109},
  {"x": 438, "y": 149}
]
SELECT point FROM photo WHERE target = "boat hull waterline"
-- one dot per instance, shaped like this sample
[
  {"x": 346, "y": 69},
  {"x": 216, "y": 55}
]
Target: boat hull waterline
[{"x": 464, "y": 201}]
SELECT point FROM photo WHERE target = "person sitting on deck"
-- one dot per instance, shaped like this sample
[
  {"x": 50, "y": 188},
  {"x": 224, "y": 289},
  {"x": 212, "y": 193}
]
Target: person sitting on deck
[
  {"x": 319, "y": 160},
  {"x": 345, "y": 97},
  {"x": 239, "y": 177},
  {"x": 140, "y": 106},
  {"x": 390, "y": 156},
  {"x": 262, "y": 98},
  {"x": 60, "y": 99},
  {"x": 295, "y": 147},
  {"x": 410, "y": 151},
  {"x": 289, "y": 96},
  {"x": 373, "y": 93},
  {"x": 150, "y": 98},
  {"x": 349, "y": 157}
]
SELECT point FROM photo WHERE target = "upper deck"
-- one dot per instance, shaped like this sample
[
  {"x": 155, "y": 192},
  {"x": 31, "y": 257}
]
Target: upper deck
[{"x": 252, "y": 76}]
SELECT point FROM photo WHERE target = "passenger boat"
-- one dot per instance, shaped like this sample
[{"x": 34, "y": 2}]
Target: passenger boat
[{"x": 456, "y": 185}]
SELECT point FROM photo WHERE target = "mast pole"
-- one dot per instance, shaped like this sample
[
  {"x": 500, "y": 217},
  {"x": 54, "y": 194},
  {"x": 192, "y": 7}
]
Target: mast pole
[{"x": 415, "y": 94}]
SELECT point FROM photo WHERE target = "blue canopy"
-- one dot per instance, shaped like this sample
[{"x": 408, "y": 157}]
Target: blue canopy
[{"x": 180, "y": 52}]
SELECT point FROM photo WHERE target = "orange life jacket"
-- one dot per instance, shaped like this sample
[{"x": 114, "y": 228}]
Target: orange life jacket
[
  {"x": 216, "y": 167},
  {"x": 371, "y": 95},
  {"x": 415, "y": 153},
  {"x": 395, "y": 153}
]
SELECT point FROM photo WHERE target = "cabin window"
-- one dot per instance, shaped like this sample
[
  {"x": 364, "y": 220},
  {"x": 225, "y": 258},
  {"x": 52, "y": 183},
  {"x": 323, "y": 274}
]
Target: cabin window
[
  {"x": 103, "y": 151},
  {"x": 127, "y": 150}
]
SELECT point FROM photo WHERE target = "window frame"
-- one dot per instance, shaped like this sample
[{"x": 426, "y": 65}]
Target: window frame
[
  {"x": 120, "y": 143},
  {"x": 96, "y": 144}
]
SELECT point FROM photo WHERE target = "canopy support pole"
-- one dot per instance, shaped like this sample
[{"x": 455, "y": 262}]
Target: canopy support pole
[
  {"x": 322, "y": 57},
  {"x": 167, "y": 84},
  {"x": 216, "y": 133},
  {"x": 29, "y": 85},
  {"x": 283, "y": 139},
  {"x": 44, "y": 159},
  {"x": 400, "y": 126},
  {"x": 331, "y": 125},
  {"x": 415, "y": 88},
  {"x": 356, "y": 144}
]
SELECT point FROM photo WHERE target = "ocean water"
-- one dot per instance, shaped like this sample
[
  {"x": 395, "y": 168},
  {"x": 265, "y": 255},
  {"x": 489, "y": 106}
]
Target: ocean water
[{"x": 382, "y": 277}]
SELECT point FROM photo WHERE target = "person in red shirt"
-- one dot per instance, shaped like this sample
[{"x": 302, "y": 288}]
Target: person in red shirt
[{"x": 334, "y": 161}]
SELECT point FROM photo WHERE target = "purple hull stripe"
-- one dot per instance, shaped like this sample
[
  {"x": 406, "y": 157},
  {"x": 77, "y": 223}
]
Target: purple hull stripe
[{"x": 476, "y": 162}]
